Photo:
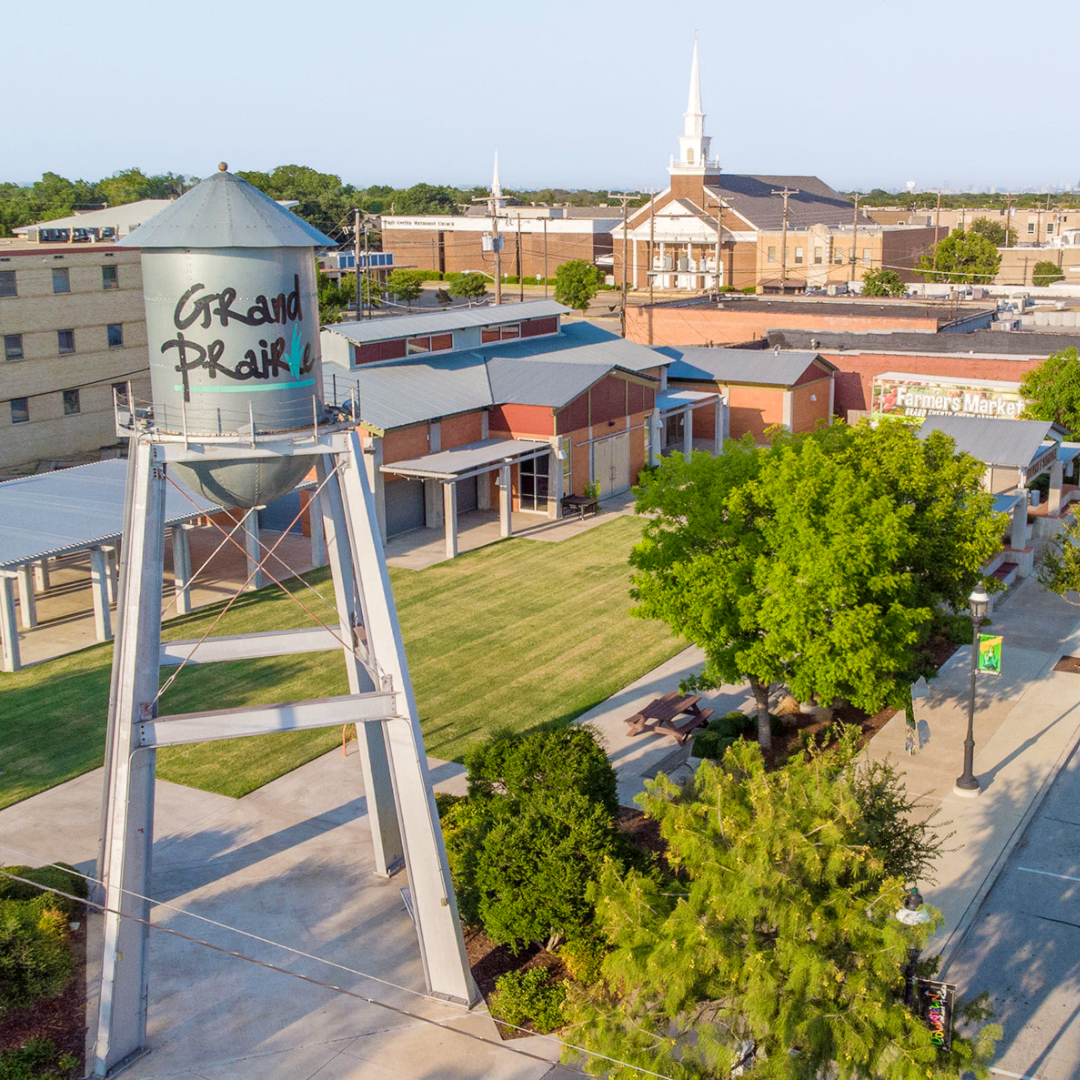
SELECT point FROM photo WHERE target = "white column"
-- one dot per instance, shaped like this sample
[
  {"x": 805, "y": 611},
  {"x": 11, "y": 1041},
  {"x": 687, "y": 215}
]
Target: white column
[
  {"x": 318, "y": 547},
  {"x": 182, "y": 568},
  {"x": 718, "y": 427},
  {"x": 377, "y": 482},
  {"x": 688, "y": 430},
  {"x": 506, "y": 527},
  {"x": 9, "y": 630},
  {"x": 41, "y": 575},
  {"x": 1018, "y": 530},
  {"x": 27, "y": 603},
  {"x": 251, "y": 546},
  {"x": 555, "y": 485},
  {"x": 99, "y": 589},
  {"x": 789, "y": 409},
  {"x": 657, "y": 433},
  {"x": 111, "y": 573},
  {"x": 832, "y": 395},
  {"x": 450, "y": 516},
  {"x": 1053, "y": 499}
]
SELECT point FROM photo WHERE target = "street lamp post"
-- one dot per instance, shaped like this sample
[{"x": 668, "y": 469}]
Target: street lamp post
[
  {"x": 912, "y": 914},
  {"x": 967, "y": 784}
]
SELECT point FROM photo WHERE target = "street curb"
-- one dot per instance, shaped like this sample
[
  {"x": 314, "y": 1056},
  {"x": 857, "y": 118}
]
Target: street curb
[{"x": 956, "y": 939}]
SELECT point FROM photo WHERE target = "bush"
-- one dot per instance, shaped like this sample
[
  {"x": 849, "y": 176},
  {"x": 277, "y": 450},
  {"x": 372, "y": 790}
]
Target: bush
[
  {"x": 426, "y": 275},
  {"x": 444, "y": 803},
  {"x": 61, "y": 876},
  {"x": 719, "y": 734},
  {"x": 1046, "y": 273},
  {"x": 533, "y": 995},
  {"x": 37, "y": 1059},
  {"x": 35, "y": 958},
  {"x": 582, "y": 957}
]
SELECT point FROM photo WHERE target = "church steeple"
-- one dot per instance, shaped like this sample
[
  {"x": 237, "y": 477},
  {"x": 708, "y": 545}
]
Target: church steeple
[
  {"x": 496, "y": 189},
  {"x": 693, "y": 142}
]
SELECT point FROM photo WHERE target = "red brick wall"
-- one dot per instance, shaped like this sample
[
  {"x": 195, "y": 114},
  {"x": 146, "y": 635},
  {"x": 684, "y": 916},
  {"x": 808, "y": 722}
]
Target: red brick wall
[
  {"x": 514, "y": 420},
  {"x": 379, "y": 350},
  {"x": 459, "y": 430},
  {"x": 404, "y": 443},
  {"x": 806, "y": 414},
  {"x": 533, "y": 327}
]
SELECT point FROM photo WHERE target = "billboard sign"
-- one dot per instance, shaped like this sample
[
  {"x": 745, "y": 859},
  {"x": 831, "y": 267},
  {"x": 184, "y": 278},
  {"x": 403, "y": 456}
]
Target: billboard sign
[{"x": 918, "y": 396}]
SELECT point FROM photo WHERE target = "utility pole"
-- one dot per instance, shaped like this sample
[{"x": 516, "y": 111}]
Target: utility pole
[
  {"x": 625, "y": 200},
  {"x": 367, "y": 273},
  {"x": 783, "y": 239},
  {"x": 1008, "y": 215},
  {"x": 520, "y": 268},
  {"x": 854, "y": 235},
  {"x": 356, "y": 251},
  {"x": 937, "y": 225},
  {"x": 492, "y": 201},
  {"x": 652, "y": 234}
]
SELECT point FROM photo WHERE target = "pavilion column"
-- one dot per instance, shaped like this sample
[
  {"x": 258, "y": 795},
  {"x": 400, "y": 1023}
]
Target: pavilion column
[
  {"x": 688, "y": 431},
  {"x": 506, "y": 526},
  {"x": 450, "y": 517},
  {"x": 1053, "y": 498},
  {"x": 99, "y": 588},
  {"x": 9, "y": 630},
  {"x": 111, "y": 573},
  {"x": 251, "y": 546},
  {"x": 1018, "y": 531},
  {"x": 27, "y": 602},
  {"x": 182, "y": 568},
  {"x": 718, "y": 427},
  {"x": 555, "y": 486},
  {"x": 318, "y": 545},
  {"x": 41, "y": 575},
  {"x": 656, "y": 433}
]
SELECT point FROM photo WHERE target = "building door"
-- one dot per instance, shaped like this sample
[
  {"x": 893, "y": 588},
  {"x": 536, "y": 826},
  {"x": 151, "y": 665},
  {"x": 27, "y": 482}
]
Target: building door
[
  {"x": 404, "y": 506},
  {"x": 611, "y": 465},
  {"x": 533, "y": 485}
]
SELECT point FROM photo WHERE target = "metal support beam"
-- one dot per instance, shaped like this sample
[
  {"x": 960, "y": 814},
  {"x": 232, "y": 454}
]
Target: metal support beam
[
  {"x": 251, "y": 546},
  {"x": 27, "y": 602},
  {"x": 181, "y": 548},
  {"x": 129, "y": 785},
  {"x": 267, "y": 719},
  {"x": 449, "y": 491},
  {"x": 99, "y": 589},
  {"x": 506, "y": 526},
  {"x": 248, "y": 646},
  {"x": 9, "y": 628}
]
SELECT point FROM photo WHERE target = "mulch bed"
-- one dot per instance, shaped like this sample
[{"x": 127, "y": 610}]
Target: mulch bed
[
  {"x": 61, "y": 1019},
  {"x": 1070, "y": 664}
]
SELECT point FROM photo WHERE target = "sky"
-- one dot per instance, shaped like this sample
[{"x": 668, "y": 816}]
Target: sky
[{"x": 572, "y": 93}]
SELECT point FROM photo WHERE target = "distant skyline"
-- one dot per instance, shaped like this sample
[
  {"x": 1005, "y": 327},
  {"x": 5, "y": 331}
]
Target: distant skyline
[{"x": 572, "y": 95}]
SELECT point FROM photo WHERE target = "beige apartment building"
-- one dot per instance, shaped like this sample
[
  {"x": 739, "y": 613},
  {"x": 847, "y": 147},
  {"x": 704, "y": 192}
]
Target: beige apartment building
[{"x": 72, "y": 330}]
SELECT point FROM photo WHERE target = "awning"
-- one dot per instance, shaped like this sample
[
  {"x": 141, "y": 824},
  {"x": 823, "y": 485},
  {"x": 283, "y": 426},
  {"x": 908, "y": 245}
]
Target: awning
[
  {"x": 471, "y": 459},
  {"x": 676, "y": 400}
]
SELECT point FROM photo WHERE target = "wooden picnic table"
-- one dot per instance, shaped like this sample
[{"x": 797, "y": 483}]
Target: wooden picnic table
[
  {"x": 665, "y": 711},
  {"x": 581, "y": 503}
]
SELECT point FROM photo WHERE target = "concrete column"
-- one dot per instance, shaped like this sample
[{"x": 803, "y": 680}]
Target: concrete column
[
  {"x": 656, "y": 433},
  {"x": 182, "y": 568},
  {"x": 41, "y": 575},
  {"x": 434, "y": 517},
  {"x": 111, "y": 572},
  {"x": 483, "y": 491},
  {"x": 506, "y": 527},
  {"x": 688, "y": 431},
  {"x": 9, "y": 630},
  {"x": 832, "y": 397},
  {"x": 1053, "y": 498},
  {"x": 789, "y": 409},
  {"x": 27, "y": 603},
  {"x": 555, "y": 486},
  {"x": 318, "y": 546},
  {"x": 1018, "y": 529},
  {"x": 251, "y": 546},
  {"x": 450, "y": 516},
  {"x": 377, "y": 482},
  {"x": 99, "y": 588},
  {"x": 718, "y": 427}
]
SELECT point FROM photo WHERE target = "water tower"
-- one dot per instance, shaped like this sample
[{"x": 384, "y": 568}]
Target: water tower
[{"x": 237, "y": 413}]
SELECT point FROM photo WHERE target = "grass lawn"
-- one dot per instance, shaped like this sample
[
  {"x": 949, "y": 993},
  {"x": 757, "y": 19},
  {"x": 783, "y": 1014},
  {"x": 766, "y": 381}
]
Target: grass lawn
[{"x": 518, "y": 634}]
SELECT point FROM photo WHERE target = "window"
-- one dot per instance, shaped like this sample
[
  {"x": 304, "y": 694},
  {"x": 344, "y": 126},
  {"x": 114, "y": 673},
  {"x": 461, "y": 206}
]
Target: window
[
  {"x": 772, "y": 254},
  {"x": 20, "y": 410},
  {"x": 565, "y": 448},
  {"x": 71, "y": 402},
  {"x": 533, "y": 484},
  {"x": 500, "y": 333},
  {"x": 817, "y": 256},
  {"x": 1031, "y": 228},
  {"x": 866, "y": 256},
  {"x": 66, "y": 341},
  {"x": 110, "y": 277},
  {"x": 1049, "y": 228},
  {"x": 7, "y": 283},
  {"x": 798, "y": 255},
  {"x": 61, "y": 282},
  {"x": 13, "y": 347},
  {"x": 116, "y": 335},
  {"x": 689, "y": 156},
  {"x": 838, "y": 255},
  {"x": 435, "y": 343}
]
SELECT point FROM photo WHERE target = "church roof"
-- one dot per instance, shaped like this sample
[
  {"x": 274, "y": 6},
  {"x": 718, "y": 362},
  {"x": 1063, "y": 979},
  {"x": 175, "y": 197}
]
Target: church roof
[{"x": 813, "y": 201}]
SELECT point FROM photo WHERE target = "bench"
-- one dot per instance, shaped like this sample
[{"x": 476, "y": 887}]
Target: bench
[{"x": 581, "y": 503}]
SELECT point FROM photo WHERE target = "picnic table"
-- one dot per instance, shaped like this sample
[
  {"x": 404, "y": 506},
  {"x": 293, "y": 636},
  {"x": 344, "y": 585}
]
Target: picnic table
[
  {"x": 583, "y": 504},
  {"x": 664, "y": 715}
]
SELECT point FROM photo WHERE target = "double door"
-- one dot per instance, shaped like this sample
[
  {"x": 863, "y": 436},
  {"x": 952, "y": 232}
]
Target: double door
[{"x": 611, "y": 465}]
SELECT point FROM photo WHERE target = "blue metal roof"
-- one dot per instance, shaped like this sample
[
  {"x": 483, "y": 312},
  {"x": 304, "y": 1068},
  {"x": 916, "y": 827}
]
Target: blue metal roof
[
  {"x": 994, "y": 441},
  {"x": 763, "y": 367},
  {"x": 389, "y": 327},
  {"x": 225, "y": 211}
]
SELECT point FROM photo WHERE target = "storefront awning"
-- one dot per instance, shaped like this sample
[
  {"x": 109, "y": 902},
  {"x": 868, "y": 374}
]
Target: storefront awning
[{"x": 471, "y": 459}]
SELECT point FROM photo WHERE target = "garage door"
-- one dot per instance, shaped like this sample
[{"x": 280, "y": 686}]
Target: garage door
[
  {"x": 466, "y": 494},
  {"x": 404, "y": 506},
  {"x": 611, "y": 463}
]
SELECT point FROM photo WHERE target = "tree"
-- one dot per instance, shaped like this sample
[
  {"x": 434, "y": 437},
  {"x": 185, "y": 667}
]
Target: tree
[
  {"x": 470, "y": 287},
  {"x": 1046, "y": 273},
  {"x": 882, "y": 283},
  {"x": 962, "y": 258},
  {"x": 1052, "y": 390},
  {"x": 405, "y": 285},
  {"x": 576, "y": 283},
  {"x": 994, "y": 231},
  {"x": 1059, "y": 563},
  {"x": 774, "y": 944},
  {"x": 528, "y": 842},
  {"x": 818, "y": 562}
]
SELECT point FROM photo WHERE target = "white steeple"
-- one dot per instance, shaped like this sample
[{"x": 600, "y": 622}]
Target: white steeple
[
  {"x": 496, "y": 189},
  {"x": 693, "y": 142}
]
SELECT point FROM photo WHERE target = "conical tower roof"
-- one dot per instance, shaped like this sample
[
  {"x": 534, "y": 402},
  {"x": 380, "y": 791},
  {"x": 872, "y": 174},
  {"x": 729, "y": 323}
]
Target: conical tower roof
[{"x": 225, "y": 211}]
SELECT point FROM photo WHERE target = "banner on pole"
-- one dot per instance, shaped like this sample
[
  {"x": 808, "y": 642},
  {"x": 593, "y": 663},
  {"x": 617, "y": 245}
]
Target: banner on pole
[
  {"x": 990, "y": 653},
  {"x": 934, "y": 1003}
]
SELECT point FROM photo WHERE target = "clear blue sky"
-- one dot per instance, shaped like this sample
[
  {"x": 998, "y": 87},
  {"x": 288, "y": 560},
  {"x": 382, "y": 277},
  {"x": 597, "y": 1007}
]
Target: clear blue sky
[{"x": 575, "y": 93}]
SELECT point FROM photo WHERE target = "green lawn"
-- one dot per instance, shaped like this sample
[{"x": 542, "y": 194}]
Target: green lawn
[{"x": 521, "y": 633}]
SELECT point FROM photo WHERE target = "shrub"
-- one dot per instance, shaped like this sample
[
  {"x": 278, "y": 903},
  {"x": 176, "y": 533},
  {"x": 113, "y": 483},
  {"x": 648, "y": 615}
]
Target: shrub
[
  {"x": 60, "y": 876},
  {"x": 35, "y": 957},
  {"x": 1046, "y": 273},
  {"x": 582, "y": 957},
  {"x": 444, "y": 803},
  {"x": 713, "y": 740},
  {"x": 533, "y": 995},
  {"x": 37, "y": 1059}
]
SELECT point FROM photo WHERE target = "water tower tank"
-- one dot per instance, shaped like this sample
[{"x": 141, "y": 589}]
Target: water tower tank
[{"x": 232, "y": 322}]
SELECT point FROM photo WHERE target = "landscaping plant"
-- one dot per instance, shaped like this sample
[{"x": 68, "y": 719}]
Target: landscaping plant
[{"x": 530, "y": 996}]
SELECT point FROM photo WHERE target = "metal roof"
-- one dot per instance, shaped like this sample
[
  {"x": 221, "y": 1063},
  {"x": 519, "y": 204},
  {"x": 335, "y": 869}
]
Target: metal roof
[
  {"x": 538, "y": 381},
  {"x": 758, "y": 366},
  {"x": 58, "y": 512},
  {"x": 679, "y": 399},
  {"x": 126, "y": 216},
  {"x": 225, "y": 211},
  {"x": 580, "y": 343},
  {"x": 448, "y": 464},
  {"x": 438, "y": 322},
  {"x": 992, "y": 441},
  {"x": 813, "y": 203}
]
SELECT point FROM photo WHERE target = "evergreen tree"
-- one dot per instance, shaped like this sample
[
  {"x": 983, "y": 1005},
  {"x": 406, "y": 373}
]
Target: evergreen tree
[{"x": 576, "y": 283}]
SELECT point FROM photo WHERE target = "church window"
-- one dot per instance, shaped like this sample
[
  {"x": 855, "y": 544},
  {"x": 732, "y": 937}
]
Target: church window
[{"x": 689, "y": 156}]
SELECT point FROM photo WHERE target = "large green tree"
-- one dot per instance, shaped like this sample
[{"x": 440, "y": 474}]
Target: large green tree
[
  {"x": 1052, "y": 390},
  {"x": 963, "y": 258},
  {"x": 406, "y": 285},
  {"x": 773, "y": 943},
  {"x": 882, "y": 283},
  {"x": 576, "y": 283},
  {"x": 469, "y": 287},
  {"x": 994, "y": 231},
  {"x": 817, "y": 562},
  {"x": 1046, "y": 272}
]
